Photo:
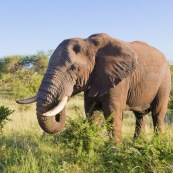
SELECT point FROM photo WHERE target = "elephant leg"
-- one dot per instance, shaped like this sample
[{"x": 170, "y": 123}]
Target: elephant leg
[
  {"x": 140, "y": 124},
  {"x": 117, "y": 125},
  {"x": 116, "y": 120},
  {"x": 92, "y": 107},
  {"x": 158, "y": 115},
  {"x": 159, "y": 108}
]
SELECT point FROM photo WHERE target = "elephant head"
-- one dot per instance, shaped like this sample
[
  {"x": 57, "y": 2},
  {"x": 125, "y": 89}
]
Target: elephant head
[{"x": 97, "y": 64}]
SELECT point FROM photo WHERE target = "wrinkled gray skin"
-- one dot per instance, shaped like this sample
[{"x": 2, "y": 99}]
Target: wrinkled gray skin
[{"x": 115, "y": 75}]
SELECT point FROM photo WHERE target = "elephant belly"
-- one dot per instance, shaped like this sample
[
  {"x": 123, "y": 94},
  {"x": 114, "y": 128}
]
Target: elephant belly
[
  {"x": 143, "y": 87},
  {"x": 141, "y": 100}
]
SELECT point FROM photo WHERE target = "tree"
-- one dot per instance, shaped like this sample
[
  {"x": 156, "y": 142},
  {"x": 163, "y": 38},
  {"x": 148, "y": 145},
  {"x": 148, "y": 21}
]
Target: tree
[
  {"x": 21, "y": 76},
  {"x": 41, "y": 63},
  {"x": 38, "y": 63},
  {"x": 10, "y": 64}
]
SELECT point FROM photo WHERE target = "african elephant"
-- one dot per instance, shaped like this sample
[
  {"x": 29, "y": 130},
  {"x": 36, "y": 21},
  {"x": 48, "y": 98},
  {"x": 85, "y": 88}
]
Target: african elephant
[{"x": 115, "y": 75}]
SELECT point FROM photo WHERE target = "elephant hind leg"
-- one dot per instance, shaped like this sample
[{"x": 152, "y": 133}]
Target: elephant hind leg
[
  {"x": 158, "y": 113},
  {"x": 159, "y": 107}
]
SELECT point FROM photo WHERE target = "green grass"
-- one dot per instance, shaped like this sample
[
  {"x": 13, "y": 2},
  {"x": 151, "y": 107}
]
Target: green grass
[{"x": 82, "y": 147}]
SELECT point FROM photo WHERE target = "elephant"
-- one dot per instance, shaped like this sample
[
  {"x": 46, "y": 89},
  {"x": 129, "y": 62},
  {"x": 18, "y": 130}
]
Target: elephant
[{"x": 113, "y": 74}]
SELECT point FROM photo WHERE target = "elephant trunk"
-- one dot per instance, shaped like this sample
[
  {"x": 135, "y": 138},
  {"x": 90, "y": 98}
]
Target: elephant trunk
[
  {"x": 52, "y": 89},
  {"x": 51, "y": 124}
]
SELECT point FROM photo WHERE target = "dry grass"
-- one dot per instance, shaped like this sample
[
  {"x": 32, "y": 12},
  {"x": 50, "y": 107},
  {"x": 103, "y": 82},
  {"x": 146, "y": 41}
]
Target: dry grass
[
  {"x": 24, "y": 118},
  {"x": 21, "y": 121}
]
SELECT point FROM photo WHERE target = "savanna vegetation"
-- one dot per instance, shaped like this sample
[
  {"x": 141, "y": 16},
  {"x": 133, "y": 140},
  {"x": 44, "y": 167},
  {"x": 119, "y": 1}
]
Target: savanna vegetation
[{"x": 84, "y": 145}]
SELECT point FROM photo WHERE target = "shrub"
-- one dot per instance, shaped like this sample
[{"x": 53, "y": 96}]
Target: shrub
[
  {"x": 4, "y": 113},
  {"x": 83, "y": 136},
  {"x": 26, "y": 88}
]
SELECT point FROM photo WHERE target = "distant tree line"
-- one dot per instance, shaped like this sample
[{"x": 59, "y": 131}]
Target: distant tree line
[{"x": 36, "y": 63}]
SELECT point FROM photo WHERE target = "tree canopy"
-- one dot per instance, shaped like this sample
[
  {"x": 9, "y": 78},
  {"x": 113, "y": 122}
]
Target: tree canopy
[{"x": 20, "y": 76}]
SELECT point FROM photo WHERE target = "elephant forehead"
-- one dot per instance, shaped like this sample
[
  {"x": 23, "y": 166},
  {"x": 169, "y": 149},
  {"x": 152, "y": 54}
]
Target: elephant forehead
[
  {"x": 71, "y": 51},
  {"x": 77, "y": 51}
]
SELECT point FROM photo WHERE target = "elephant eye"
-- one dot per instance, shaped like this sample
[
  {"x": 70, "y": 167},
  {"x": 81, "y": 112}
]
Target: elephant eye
[
  {"x": 75, "y": 68},
  {"x": 76, "y": 48}
]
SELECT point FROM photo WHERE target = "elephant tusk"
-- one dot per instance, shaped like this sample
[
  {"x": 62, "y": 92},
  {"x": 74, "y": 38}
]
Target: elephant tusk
[
  {"x": 27, "y": 101},
  {"x": 57, "y": 109}
]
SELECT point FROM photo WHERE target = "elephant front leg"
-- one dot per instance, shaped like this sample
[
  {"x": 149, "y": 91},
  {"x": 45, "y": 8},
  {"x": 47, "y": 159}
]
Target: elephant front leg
[
  {"x": 92, "y": 106},
  {"x": 116, "y": 119},
  {"x": 93, "y": 110},
  {"x": 140, "y": 124},
  {"x": 117, "y": 125}
]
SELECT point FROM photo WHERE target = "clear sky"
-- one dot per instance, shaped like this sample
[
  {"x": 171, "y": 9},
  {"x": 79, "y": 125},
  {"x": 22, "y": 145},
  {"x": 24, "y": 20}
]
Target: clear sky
[{"x": 27, "y": 27}]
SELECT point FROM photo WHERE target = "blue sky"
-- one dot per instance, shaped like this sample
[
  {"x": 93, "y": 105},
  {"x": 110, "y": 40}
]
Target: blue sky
[{"x": 27, "y": 27}]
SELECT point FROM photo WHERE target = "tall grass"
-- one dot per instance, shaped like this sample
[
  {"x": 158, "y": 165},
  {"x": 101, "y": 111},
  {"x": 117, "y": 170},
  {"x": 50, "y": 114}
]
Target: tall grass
[{"x": 83, "y": 146}]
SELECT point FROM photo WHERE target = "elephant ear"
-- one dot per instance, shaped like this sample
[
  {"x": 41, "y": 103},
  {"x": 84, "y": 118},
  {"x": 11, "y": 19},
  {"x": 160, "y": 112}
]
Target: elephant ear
[{"x": 114, "y": 62}]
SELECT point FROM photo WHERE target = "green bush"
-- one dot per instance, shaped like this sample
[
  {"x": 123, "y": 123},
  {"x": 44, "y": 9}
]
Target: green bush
[
  {"x": 85, "y": 147},
  {"x": 83, "y": 136},
  {"x": 4, "y": 113},
  {"x": 142, "y": 155},
  {"x": 26, "y": 88}
]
